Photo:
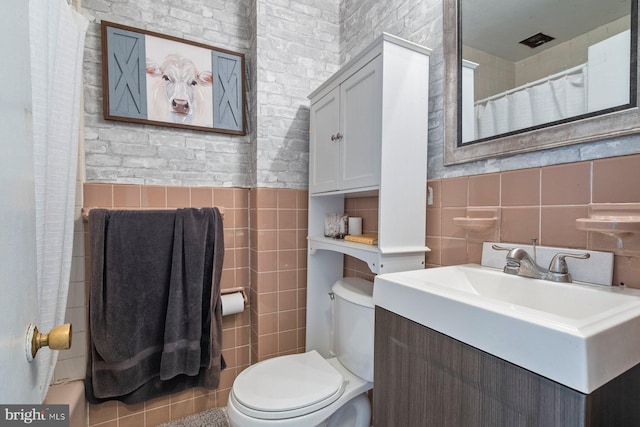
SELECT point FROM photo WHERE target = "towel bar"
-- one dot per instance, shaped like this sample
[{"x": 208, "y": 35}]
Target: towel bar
[{"x": 85, "y": 212}]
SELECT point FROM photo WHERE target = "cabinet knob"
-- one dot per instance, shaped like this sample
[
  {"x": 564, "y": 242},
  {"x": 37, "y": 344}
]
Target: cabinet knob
[{"x": 336, "y": 137}]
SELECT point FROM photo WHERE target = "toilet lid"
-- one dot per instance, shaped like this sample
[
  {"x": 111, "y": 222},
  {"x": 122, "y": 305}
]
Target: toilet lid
[{"x": 301, "y": 383}]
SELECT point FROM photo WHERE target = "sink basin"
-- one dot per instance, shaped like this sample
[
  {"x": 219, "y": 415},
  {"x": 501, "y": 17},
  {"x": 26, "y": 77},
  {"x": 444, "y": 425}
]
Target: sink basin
[{"x": 578, "y": 335}]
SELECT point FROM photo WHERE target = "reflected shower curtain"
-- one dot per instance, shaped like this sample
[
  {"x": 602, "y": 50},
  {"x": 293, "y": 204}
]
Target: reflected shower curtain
[
  {"x": 57, "y": 36},
  {"x": 546, "y": 102},
  {"x": 520, "y": 113}
]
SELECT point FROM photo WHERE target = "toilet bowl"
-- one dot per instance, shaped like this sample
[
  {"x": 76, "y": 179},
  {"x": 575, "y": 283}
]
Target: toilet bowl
[
  {"x": 306, "y": 390},
  {"x": 305, "y": 400}
]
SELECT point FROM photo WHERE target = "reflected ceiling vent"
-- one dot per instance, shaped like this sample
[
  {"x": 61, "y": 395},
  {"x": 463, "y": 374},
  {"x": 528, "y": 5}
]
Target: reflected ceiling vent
[{"x": 536, "y": 40}]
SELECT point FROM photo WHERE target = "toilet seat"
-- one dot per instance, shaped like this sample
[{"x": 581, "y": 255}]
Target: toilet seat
[{"x": 287, "y": 386}]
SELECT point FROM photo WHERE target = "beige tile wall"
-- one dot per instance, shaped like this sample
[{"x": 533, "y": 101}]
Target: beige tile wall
[
  {"x": 236, "y": 328},
  {"x": 278, "y": 271},
  {"x": 495, "y": 75},
  {"x": 541, "y": 203},
  {"x": 565, "y": 55},
  {"x": 71, "y": 364},
  {"x": 367, "y": 209}
]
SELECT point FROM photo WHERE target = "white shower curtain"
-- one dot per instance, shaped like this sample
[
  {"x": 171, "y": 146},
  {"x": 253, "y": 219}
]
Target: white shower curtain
[
  {"x": 520, "y": 114},
  {"x": 57, "y": 36},
  {"x": 546, "y": 102}
]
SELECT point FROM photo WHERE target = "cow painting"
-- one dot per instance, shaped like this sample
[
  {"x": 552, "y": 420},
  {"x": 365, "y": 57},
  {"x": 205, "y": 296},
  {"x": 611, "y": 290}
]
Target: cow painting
[{"x": 178, "y": 92}]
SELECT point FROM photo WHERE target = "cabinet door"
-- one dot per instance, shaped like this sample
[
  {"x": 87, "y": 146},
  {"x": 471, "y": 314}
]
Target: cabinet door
[
  {"x": 426, "y": 379},
  {"x": 323, "y": 149},
  {"x": 360, "y": 126}
]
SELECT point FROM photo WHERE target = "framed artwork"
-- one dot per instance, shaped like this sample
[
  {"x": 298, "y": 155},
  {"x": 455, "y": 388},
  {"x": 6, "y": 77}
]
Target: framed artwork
[{"x": 156, "y": 79}]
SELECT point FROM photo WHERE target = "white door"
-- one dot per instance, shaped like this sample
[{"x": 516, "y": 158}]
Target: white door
[{"x": 17, "y": 209}]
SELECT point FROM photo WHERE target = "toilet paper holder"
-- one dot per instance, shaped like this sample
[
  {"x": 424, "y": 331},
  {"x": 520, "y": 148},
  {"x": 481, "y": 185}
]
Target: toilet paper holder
[
  {"x": 233, "y": 301},
  {"x": 236, "y": 290}
]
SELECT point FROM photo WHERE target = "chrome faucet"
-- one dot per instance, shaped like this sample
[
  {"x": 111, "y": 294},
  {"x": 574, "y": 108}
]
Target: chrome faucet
[{"x": 520, "y": 263}]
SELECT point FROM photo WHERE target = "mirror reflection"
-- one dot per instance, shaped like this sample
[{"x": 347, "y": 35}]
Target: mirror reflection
[{"x": 527, "y": 64}]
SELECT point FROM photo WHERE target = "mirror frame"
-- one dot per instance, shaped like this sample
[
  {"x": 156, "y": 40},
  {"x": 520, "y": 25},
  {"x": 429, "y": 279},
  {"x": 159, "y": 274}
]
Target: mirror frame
[{"x": 609, "y": 125}]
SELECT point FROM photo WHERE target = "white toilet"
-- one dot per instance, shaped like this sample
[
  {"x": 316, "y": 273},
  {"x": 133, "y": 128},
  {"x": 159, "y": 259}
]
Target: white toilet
[{"x": 306, "y": 390}]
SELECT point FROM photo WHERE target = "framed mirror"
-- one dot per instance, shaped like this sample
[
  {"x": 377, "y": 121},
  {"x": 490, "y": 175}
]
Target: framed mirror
[{"x": 551, "y": 95}]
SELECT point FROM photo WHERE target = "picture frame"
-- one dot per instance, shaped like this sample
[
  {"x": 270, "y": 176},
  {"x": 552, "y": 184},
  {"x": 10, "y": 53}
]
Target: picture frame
[{"x": 152, "y": 78}]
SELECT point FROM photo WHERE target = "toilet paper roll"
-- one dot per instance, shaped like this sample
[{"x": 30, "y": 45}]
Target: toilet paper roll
[
  {"x": 355, "y": 225},
  {"x": 232, "y": 303}
]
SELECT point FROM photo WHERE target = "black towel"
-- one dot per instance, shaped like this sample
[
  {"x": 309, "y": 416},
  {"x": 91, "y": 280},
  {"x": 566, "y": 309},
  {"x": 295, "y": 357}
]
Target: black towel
[{"x": 154, "y": 312}]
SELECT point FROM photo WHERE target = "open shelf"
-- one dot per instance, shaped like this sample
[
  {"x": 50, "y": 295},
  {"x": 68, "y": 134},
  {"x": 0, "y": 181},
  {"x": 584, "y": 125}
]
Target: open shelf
[
  {"x": 367, "y": 253},
  {"x": 370, "y": 254},
  {"x": 478, "y": 221},
  {"x": 340, "y": 245},
  {"x": 475, "y": 224},
  {"x": 615, "y": 219}
]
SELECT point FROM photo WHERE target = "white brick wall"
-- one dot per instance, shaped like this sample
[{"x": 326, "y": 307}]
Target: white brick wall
[
  {"x": 297, "y": 49},
  {"x": 290, "y": 47},
  {"x": 419, "y": 21},
  {"x": 144, "y": 154}
]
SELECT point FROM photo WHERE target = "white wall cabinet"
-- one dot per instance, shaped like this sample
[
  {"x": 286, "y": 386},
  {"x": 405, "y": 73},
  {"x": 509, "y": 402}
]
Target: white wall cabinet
[
  {"x": 346, "y": 133},
  {"x": 368, "y": 136}
]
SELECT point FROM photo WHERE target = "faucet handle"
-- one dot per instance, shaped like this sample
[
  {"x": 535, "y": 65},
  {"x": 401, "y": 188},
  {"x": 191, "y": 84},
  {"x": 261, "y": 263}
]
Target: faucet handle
[
  {"x": 559, "y": 264},
  {"x": 500, "y": 248}
]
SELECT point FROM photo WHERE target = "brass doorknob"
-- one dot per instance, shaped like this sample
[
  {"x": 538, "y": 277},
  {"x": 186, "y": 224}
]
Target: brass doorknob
[{"x": 58, "y": 338}]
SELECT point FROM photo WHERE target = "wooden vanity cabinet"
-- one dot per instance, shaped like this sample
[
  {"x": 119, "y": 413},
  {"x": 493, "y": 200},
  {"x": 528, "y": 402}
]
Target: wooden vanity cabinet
[{"x": 424, "y": 378}]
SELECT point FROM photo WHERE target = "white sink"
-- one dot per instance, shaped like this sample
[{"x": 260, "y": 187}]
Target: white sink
[{"x": 578, "y": 335}]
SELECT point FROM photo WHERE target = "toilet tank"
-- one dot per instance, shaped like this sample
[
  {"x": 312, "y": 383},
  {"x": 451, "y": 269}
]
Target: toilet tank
[{"x": 353, "y": 325}]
